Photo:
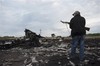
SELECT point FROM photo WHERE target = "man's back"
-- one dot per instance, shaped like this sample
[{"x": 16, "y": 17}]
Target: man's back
[{"x": 77, "y": 24}]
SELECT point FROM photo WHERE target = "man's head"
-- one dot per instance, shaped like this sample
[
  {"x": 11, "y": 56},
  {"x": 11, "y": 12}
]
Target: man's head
[{"x": 76, "y": 13}]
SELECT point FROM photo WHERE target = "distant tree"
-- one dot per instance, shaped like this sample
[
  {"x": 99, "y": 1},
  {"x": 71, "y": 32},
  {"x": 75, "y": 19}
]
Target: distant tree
[
  {"x": 93, "y": 34},
  {"x": 53, "y": 35}
]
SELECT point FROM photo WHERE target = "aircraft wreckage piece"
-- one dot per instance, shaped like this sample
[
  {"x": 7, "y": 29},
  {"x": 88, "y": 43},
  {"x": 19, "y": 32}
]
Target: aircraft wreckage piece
[{"x": 31, "y": 39}]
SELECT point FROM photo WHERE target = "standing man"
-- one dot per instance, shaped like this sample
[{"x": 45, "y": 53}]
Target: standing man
[{"x": 78, "y": 31}]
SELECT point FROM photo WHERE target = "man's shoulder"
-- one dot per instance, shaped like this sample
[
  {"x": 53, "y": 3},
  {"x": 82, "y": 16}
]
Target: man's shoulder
[
  {"x": 72, "y": 18},
  {"x": 82, "y": 17}
]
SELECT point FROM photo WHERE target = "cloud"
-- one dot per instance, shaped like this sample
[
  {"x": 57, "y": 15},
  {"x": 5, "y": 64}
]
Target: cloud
[{"x": 16, "y": 15}]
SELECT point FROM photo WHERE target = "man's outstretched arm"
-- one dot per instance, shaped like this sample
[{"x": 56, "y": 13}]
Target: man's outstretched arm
[{"x": 86, "y": 28}]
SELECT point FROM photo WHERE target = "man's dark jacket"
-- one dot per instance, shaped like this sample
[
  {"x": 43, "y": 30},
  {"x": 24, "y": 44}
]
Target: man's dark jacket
[{"x": 77, "y": 25}]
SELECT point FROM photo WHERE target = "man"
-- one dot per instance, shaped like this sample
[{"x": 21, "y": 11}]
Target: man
[{"x": 78, "y": 31}]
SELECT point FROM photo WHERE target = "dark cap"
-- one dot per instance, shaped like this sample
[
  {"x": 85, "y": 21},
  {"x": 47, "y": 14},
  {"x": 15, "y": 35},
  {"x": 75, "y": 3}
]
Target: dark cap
[{"x": 76, "y": 13}]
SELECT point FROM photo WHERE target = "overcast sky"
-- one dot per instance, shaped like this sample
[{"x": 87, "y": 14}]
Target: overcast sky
[{"x": 45, "y": 15}]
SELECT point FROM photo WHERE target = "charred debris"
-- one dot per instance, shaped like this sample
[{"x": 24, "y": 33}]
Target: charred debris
[
  {"x": 36, "y": 50},
  {"x": 31, "y": 39}
]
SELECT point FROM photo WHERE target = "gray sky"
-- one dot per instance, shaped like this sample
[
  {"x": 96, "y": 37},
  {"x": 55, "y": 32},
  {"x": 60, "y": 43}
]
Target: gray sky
[{"x": 16, "y": 15}]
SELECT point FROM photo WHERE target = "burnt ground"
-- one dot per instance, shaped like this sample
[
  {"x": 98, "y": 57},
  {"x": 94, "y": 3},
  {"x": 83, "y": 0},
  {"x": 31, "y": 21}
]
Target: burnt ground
[{"x": 51, "y": 54}]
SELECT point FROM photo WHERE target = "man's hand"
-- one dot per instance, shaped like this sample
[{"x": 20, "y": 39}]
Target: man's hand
[
  {"x": 61, "y": 21},
  {"x": 87, "y": 28},
  {"x": 64, "y": 22}
]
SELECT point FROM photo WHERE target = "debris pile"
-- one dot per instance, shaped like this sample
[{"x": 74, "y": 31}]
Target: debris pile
[{"x": 50, "y": 54}]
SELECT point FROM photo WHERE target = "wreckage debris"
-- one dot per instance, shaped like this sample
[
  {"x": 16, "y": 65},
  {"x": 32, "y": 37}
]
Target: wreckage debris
[
  {"x": 48, "y": 52},
  {"x": 54, "y": 55},
  {"x": 31, "y": 39}
]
